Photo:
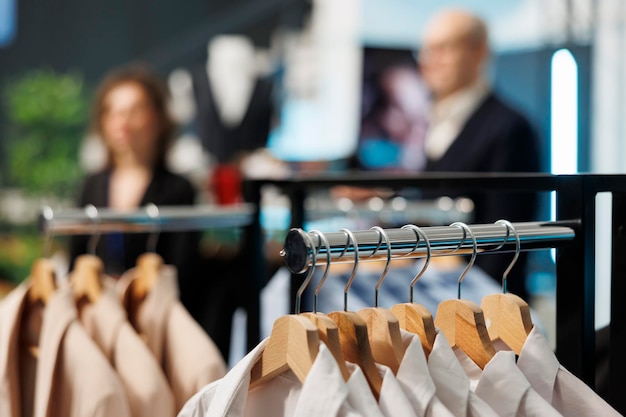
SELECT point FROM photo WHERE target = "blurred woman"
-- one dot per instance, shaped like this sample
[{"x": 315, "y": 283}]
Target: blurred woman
[{"x": 130, "y": 115}]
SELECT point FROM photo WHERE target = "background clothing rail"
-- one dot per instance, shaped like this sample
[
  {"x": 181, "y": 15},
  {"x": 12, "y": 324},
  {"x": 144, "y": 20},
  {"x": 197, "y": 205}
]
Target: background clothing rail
[{"x": 147, "y": 219}]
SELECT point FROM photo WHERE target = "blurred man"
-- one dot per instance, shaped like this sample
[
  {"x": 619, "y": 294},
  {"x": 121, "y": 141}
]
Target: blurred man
[{"x": 472, "y": 130}]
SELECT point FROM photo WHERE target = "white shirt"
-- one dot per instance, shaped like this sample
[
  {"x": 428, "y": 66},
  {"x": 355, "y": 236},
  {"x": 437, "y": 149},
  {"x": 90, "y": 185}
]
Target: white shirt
[
  {"x": 360, "y": 395},
  {"x": 450, "y": 115},
  {"x": 503, "y": 386},
  {"x": 323, "y": 393},
  {"x": 393, "y": 401},
  {"x": 453, "y": 385},
  {"x": 568, "y": 394},
  {"x": 415, "y": 380}
]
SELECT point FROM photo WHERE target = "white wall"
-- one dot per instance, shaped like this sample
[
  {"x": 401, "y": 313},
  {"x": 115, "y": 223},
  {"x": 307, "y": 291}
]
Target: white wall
[
  {"x": 321, "y": 111},
  {"x": 514, "y": 24},
  {"x": 609, "y": 88}
]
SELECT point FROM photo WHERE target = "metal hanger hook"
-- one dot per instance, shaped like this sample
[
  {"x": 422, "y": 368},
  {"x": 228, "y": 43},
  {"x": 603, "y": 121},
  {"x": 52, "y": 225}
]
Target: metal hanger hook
[
  {"x": 92, "y": 212},
  {"x": 518, "y": 248},
  {"x": 309, "y": 274},
  {"x": 324, "y": 241},
  {"x": 419, "y": 235},
  {"x": 466, "y": 231},
  {"x": 153, "y": 212},
  {"x": 355, "y": 268},
  {"x": 385, "y": 236}
]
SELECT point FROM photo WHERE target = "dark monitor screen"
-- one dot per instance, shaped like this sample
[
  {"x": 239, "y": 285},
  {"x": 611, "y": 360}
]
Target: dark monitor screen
[{"x": 394, "y": 112}]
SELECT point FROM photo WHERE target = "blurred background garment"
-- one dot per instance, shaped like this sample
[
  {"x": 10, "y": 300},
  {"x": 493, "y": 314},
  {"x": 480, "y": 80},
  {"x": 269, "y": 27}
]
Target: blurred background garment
[{"x": 234, "y": 105}]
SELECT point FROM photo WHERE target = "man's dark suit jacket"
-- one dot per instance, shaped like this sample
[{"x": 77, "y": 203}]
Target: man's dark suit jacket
[
  {"x": 496, "y": 138},
  {"x": 119, "y": 252}
]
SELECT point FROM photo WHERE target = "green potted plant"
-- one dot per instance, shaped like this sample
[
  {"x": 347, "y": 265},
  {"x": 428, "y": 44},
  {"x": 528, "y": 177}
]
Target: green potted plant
[{"x": 44, "y": 115}]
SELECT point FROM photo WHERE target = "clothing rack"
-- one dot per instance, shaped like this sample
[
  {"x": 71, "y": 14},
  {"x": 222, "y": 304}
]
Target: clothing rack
[
  {"x": 405, "y": 243},
  {"x": 73, "y": 221},
  {"x": 153, "y": 219},
  {"x": 575, "y": 259}
]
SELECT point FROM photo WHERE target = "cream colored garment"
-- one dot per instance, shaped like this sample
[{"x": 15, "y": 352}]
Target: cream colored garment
[
  {"x": 73, "y": 378},
  {"x": 453, "y": 385},
  {"x": 187, "y": 354},
  {"x": 448, "y": 117},
  {"x": 503, "y": 386},
  {"x": 148, "y": 392},
  {"x": 323, "y": 393},
  {"x": 415, "y": 379},
  {"x": 568, "y": 394}
]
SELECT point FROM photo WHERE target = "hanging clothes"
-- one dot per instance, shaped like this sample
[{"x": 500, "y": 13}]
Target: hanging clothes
[
  {"x": 146, "y": 386},
  {"x": 187, "y": 355},
  {"x": 393, "y": 402},
  {"x": 416, "y": 381},
  {"x": 360, "y": 395},
  {"x": 323, "y": 394},
  {"x": 70, "y": 377},
  {"x": 568, "y": 394},
  {"x": 503, "y": 386},
  {"x": 453, "y": 385}
]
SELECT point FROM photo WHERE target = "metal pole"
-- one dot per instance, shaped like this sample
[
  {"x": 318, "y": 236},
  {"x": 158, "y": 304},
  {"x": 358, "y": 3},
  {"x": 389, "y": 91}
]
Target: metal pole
[
  {"x": 170, "y": 219},
  {"x": 443, "y": 240}
]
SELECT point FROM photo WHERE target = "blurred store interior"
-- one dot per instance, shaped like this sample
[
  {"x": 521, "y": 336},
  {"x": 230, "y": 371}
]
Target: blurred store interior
[{"x": 305, "y": 75}]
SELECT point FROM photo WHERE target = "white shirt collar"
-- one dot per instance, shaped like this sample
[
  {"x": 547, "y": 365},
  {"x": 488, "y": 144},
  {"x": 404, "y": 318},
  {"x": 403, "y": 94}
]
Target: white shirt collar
[
  {"x": 453, "y": 384},
  {"x": 462, "y": 102},
  {"x": 502, "y": 385},
  {"x": 323, "y": 381},
  {"x": 539, "y": 364},
  {"x": 393, "y": 401},
  {"x": 449, "y": 116},
  {"x": 413, "y": 374},
  {"x": 555, "y": 384},
  {"x": 360, "y": 395},
  {"x": 450, "y": 380},
  {"x": 230, "y": 395}
]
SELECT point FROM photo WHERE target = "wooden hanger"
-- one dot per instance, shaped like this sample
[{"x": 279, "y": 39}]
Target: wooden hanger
[
  {"x": 149, "y": 264},
  {"x": 354, "y": 341},
  {"x": 86, "y": 278},
  {"x": 385, "y": 340},
  {"x": 292, "y": 345},
  {"x": 328, "y": 333},
  {"x": 463, "y": 324},
  {"x": 416, "y": 318},
  {"x": 327, "y": 329},
  {"x": 147, "y": 274},
  {"x": 353, "y": 335},
  {"x": 462, "y": 321},
  {"x": 508, "y": 316},
  {"x": 294, "y": 341},
  {"x": 42, "y": 287},
  {"x": 382, "y": 326},
  {"x": 42, "y": 280}
]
